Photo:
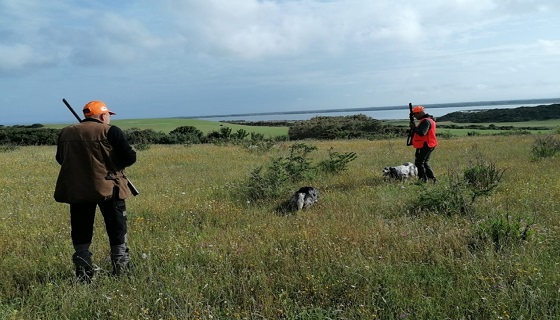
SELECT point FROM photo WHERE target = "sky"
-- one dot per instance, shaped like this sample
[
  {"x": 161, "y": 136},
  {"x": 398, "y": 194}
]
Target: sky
[{"x": 180, "y": 58}]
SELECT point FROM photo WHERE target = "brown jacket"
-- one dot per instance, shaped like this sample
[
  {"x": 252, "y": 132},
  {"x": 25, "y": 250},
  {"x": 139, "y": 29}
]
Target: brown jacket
[{"x": 91, "y": 164}]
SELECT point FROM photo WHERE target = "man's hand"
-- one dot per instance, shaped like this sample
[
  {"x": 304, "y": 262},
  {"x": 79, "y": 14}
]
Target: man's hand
[{"x": 412, "y": 125}]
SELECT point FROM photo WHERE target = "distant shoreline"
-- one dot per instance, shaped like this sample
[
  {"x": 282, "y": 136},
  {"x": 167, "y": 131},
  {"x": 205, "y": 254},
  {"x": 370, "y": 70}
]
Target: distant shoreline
[{"x": 383, "y": 108}]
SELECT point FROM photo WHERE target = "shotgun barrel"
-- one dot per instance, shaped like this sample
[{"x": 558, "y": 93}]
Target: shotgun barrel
[{"x": 411, "y": 132}]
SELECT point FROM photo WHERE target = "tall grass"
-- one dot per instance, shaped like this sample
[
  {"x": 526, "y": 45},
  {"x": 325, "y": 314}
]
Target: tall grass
[{"x": 203, "y": 252}]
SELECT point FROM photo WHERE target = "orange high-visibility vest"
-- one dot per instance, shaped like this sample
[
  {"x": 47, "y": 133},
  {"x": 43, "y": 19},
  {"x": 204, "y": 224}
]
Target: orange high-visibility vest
[{"x": 429, "y": 138}]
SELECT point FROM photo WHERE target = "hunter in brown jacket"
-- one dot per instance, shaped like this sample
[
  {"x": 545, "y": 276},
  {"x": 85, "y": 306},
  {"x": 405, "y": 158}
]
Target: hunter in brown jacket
[{"x": 93, "y": 155}]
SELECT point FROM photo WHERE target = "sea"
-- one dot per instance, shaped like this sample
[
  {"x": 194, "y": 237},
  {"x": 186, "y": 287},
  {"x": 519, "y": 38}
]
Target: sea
[{"x": 382, "y": 113}]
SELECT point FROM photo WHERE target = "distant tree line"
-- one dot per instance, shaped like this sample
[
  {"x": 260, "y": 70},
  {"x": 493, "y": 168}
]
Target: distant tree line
[
  {"x": 329, "y": 128},
  {"x": 542, "y": 112},
  {"x": 33, "y": 135},
  {"x": 323, "y": 128},
  {"x": 271, "y": 123},
  {"x": 37, "y": 135}
]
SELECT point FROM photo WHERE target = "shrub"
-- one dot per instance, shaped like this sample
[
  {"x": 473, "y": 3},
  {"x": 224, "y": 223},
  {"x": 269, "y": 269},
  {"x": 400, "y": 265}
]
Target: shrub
[
  {"x": 445, "y": 200},
  {"x": 268, "y": 183},
  {"x": 459, "y": 196},
  {"x": 328, "y": 128},
  {"x": 502, "y": 231},
  {"x": 186, "y": 135},
  {"x": 482, "y": 176},
  {"x": 337, "y": 162},
  {"x": 144, "y": 136},
  {"x": 298, "y": 164},
  {"x": 544, "y": 147},
  {"x": 29, "y": 136},
  {"x": 275, "y": 180},
  {"x": 446, "y": 135}
]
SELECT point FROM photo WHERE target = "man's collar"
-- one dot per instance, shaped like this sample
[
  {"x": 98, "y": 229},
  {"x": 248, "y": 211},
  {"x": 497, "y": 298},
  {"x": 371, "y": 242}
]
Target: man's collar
[{"x": 92, "y": 119}]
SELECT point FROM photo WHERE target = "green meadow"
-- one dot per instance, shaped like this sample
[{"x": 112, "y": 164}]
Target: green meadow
[
  {"x": 203, "y": 250},
  {"x": 167, "y": 124}
]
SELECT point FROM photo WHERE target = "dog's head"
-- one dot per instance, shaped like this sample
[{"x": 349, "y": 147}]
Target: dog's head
[{"x": 386, "y": 171}]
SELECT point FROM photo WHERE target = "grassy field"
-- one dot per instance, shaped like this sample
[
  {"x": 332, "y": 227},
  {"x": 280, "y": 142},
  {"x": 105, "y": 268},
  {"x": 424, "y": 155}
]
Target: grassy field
[
  {"x": 203, "y": 251},
  {"x": 167, "y": 124}
]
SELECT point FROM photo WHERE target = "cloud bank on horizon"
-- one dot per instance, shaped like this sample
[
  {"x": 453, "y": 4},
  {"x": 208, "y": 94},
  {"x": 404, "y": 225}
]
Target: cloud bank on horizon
[{"x": 171, "y": 58}]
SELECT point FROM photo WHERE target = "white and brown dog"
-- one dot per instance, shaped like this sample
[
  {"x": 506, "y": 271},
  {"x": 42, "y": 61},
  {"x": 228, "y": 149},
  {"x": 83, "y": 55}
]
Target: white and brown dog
[
  {"x": 304, "y": 198},
  {"x": 403, "y": 172}
]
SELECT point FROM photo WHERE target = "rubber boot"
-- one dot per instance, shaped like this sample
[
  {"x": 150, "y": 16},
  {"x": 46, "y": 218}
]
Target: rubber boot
[
  {"x": 120, "y": 260},
  {"x": 82, "y": 261},
  {"x": 430, "y": 175}
]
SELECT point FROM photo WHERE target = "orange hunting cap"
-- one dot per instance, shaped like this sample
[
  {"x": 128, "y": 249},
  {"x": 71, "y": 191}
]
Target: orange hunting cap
[
  {"x": 418, "y": 109},
  {"x": 96, "y": 107}
]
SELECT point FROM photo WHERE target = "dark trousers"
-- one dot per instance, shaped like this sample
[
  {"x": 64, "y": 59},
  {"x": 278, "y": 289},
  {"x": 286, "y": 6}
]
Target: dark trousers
[
  {"x": 82, "y": 217},
  {"x": 421, "y": 159}
]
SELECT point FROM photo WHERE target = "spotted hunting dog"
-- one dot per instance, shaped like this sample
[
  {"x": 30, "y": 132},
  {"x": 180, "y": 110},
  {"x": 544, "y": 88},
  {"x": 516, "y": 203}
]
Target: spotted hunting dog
[
  {"x": 403, "y": 172},
  {"x": 304, "y": 198}
]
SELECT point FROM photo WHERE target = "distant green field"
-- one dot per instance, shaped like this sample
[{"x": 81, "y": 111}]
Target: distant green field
[{"x": 168, "y": 124}]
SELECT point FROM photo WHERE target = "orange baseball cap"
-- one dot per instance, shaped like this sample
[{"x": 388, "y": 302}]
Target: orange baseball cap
[
  {"x": 96, "y": 107},
  {"x": 418, "y": 109}
]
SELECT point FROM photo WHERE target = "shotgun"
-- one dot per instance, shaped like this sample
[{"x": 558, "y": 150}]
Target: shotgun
[
  {"x": 131, "y": 186},
  {"x": 411, "y": 132}
]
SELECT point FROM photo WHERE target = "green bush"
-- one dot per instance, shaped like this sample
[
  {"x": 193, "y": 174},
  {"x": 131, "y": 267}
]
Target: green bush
[
  {"x": 143, "y": 136},
  {"x": 545, "y": 147},
  {"x": 330, "y": 128},
  {"x": 337, "y": 162},
  {"x": 459, "y": 196},
  {"x": 482, "y": 176},
  {"x": 445, "y": 200},
  {"x": 269, "y": 183},
  {"x": 274, "y": 181},
  {"x": 298, "y": 164},
  {"x": 503, "y": 231},
  {"x": 284, "y": 172}
]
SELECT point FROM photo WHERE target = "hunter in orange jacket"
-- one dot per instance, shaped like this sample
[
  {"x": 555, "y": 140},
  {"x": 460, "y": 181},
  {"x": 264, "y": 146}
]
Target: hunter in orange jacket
[{"x": 424, "y": 141}]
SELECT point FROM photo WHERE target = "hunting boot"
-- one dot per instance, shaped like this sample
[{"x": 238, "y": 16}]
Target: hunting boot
[
  {"x": 82, "y": 261},
  {"x": 120, "y": 260},
  {"x": 430, "y": 174}
]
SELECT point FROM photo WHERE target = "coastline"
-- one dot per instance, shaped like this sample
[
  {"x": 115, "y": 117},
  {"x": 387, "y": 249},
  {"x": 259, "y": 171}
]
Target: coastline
[{"x": 381, "y": 113}]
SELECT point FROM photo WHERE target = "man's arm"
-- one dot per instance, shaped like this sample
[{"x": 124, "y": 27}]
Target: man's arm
[
  {"x": 125, "y": 154},
  {"x": 423, "y": 128}
]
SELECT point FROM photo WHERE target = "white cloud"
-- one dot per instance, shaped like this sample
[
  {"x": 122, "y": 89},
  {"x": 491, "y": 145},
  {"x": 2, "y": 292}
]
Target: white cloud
[
  {"x": 283, "y": 54},
  {"x": 551, "y": 47},
  {"x": 112, "y": 39},
  {"x": 18, "y": 56}
]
